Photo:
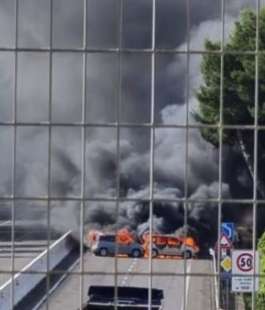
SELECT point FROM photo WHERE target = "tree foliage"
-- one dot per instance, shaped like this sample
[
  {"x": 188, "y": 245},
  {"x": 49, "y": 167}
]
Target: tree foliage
[
  {"x": 260, "y": 298},
  {"x": 238, "y": 102},
  {"x": 261, "y": 249},
  {"x": 238, "y": 92},
  {"x": 238, "y": 79}
]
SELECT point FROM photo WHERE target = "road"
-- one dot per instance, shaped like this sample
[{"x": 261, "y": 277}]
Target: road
[
  {"x": 199, "y": 290},
  {"x": 24, "y": 252},
  {"x": 30, "y": 241},
  {"x": 195, "y": 291}
]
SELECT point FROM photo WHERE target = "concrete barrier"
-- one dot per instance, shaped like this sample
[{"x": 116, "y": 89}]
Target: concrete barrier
[{"x": 28, "y": 278}]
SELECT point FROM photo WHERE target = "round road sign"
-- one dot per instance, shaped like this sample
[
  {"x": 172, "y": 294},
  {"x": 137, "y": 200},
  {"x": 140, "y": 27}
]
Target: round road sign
[{"x": 244, "y": 262}]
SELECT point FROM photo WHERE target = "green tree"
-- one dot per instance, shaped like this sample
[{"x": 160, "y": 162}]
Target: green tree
[
  {"x": 260, "y": 297},
  {"x": 238, "y": 90},
  {"x": 238, "y": 99},
  {"x": 260, "y": 301}
]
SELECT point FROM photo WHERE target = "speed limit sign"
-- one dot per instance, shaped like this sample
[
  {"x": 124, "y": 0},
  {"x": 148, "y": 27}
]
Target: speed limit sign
[
  {"x": 245, "y": 265},
  {"x": 244, "y": 262}
]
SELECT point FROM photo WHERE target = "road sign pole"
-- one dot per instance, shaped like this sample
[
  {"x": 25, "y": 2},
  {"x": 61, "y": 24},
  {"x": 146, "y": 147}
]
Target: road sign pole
[{"x": 227, "y": 293}]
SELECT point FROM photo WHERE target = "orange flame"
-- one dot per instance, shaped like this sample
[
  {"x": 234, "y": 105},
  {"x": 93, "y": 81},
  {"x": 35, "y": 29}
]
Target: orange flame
[
  {"x": 92, "y": 236},
  {"x": 123, "y": 236}
]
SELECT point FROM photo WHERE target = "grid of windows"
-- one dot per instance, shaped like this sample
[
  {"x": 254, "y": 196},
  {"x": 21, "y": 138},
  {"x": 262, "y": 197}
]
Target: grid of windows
[{"x": 97, "y": 131}]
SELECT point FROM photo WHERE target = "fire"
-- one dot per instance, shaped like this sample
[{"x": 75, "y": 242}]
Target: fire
[
  {"x": 92, "y": 236},
  {"x": 162, "y": 241},
  {"x": 123, "y": 236},
  {"x": 163, "y": 244},
  {"x": 189, "y": 242}
]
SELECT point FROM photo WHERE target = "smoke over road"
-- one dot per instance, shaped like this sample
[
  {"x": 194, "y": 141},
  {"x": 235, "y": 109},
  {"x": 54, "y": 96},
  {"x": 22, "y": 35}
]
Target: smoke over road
[
  {"x": 101, "y": 143},
  {"x": 169, "y": 178}
]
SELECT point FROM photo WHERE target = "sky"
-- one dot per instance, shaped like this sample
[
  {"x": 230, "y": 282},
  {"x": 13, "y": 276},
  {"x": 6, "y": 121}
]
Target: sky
[{"x": 102, "y": 102}]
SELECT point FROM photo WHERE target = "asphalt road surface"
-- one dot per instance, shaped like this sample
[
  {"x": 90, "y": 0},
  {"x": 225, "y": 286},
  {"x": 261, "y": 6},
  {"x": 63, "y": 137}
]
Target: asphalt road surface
[
  {"x": 195, "y": 291},
  {"x": 24, "y": 252}
]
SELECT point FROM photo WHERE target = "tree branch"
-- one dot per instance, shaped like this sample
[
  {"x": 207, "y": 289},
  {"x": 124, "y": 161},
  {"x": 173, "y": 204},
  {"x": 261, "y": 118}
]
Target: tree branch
[{"x": 248, "y": 162}]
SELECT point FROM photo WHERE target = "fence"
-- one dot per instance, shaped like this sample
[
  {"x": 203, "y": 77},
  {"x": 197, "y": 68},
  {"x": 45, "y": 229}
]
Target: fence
[{"x": 99, "y": 127}]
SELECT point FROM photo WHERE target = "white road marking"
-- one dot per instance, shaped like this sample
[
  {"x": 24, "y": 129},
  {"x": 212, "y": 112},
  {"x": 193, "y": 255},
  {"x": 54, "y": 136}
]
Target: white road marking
[
  {"x": 130, "y": 269},
  {"x": 185, "y": 300}
]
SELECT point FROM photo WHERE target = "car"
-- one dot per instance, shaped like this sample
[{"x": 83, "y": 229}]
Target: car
[
  {"x": 107, "y": 245},
  {"x": 103, "y": 297},
  {"x": 168, "y": 245}
]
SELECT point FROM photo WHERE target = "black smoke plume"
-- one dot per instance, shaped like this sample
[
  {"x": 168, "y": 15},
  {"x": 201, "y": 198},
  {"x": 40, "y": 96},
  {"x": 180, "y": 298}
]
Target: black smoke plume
[{"x": 101, "y": 157}]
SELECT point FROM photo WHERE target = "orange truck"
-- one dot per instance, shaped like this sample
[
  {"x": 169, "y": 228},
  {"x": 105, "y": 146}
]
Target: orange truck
[{"x": 170, "y": 245}]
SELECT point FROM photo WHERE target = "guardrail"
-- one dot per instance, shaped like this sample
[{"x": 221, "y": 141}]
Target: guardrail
[
  {"x": 212, "y": 253},
  {"x": 33, "y": 273}
]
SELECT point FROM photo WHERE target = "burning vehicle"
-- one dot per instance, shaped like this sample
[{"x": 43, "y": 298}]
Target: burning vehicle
[
  {"x": 121, "y": 243},
  {"x": 122, "y": 236},
  {"x": 125, "y": 242},
  {"x": 107, "y": 245},
  {"x": 170, "y": 245}
]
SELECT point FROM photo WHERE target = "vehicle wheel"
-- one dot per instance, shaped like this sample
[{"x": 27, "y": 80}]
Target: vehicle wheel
[
  {"x": 103, "y": 252},
  {"x": 187, "y": 254},
  {"x": 136, "y": 253},
  {"x": 154, "y": 253}
]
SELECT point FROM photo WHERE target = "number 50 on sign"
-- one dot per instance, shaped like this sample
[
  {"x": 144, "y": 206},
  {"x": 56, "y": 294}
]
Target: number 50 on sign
[{"x": 244, "y": 266}]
